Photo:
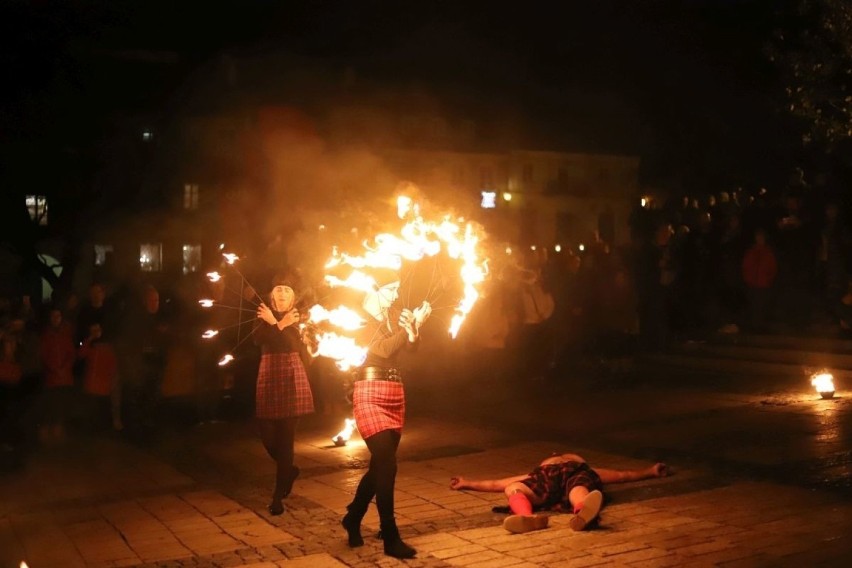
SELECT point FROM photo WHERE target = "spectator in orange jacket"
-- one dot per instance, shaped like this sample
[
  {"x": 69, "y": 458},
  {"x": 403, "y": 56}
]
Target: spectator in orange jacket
[
  {"x": 58, "y": 356},
  {"x": 760, "y": 268},
  {"x": 100, "y": 374}
]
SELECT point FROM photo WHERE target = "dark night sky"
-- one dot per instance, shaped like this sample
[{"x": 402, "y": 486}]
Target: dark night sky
[{"x": 683, "y": 83}]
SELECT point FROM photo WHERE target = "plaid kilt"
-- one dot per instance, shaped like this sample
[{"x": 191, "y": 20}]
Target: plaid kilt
[
  {"x": 282, "y": 387},
  {"x": 554, "y": 481},
  {"x": 378, "y": 406}
]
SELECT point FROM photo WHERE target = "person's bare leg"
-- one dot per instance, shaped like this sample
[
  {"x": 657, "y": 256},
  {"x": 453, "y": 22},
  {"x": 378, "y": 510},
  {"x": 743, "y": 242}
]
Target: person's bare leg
[
  {"x": 587, "y": 504},
  {"x": 521, "y": 500},
  {"x": 627, "y": 475}
]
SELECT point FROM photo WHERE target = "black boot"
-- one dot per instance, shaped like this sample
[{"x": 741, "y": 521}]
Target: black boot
[
  {"x": 392, "y": 541},
  {"x": 352, "y": 523}
]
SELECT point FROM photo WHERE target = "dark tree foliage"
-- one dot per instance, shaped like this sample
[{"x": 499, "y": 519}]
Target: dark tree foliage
[{"x": 813, "y": 49}]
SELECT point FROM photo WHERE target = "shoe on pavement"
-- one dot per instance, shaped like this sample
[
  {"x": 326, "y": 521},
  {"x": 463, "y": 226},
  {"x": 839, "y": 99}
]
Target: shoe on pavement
[
  {"x": 525, "y": 523},
  {"x": 588, "y": 513}
]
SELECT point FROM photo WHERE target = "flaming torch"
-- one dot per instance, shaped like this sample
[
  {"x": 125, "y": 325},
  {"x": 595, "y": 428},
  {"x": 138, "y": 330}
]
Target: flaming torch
[
  {"x": 823, "y": 382},
  {"x": 343, "y": 436}
]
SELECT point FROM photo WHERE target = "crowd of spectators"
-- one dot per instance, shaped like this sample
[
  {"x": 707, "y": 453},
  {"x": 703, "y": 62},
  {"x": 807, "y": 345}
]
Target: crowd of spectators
[
  {"x": 730, "y": 263},
  {"x": 694, "y": 267},
  {"x": 100, "y": 364}
]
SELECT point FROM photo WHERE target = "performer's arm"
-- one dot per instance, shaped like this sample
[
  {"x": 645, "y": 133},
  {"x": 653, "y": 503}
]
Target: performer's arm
[
  {"x": 268, "y": 317},
  {"x": 386, "y": 347},
  {"x": 484, "y": 485}
]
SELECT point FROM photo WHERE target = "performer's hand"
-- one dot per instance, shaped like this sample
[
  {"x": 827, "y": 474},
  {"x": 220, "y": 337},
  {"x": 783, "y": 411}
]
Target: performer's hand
[
  {"x": 457, "y": 483},
  {"x": 291, "y": 317},
  {"x": 422, "y": 313},
  {"x": 406, "y": 322},
  {"x": 264, "y": 313}
]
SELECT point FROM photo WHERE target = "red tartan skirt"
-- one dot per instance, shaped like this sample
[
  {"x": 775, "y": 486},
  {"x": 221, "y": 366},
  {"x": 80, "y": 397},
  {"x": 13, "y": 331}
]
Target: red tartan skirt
[
  {"x": 378, "y": 406},
  {"x": 283, "y": 390}
]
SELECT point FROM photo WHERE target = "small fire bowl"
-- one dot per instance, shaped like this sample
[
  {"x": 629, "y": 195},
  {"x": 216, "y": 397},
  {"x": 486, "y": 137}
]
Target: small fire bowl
[
  {"x": 827, "y": 394},
  {"x": 340, "y": 441}
]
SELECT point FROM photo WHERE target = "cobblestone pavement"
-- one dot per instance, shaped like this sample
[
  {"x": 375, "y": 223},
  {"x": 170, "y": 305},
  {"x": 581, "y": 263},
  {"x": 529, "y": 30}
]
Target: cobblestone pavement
[{"x": 755, "y": 484}]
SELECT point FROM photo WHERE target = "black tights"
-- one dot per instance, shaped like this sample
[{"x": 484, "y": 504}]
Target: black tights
[
  {"x": 380, "y": 478},
  {"x": 278, "y": 437}
]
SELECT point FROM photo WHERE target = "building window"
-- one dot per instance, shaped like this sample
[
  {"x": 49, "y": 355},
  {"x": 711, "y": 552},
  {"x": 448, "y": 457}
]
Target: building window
[
  {"x": 37, "y": 208},
  {"x": 191, "y": 258},
  {"x": 489, "y": 200},
  {"x": 103, "y": 254},
  {"x": 151, "y": 257},
  {"x": 527, "y": 174},
  {"x": 190, "y": 196}
]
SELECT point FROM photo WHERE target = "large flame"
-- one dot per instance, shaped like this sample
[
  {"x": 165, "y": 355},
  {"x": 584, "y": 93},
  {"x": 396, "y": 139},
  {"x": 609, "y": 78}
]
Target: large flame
[
  {"x": 416, "y": 240},
  {"x": 344, "y": 435},
  {"x": 823, "y": 382},
  {"x": 342, "y": 317},
  {"x": 325, "y": 330}
]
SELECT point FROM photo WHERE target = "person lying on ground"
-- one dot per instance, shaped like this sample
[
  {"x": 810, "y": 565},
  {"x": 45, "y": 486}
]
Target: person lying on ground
[{"x": 561, "y": 482}]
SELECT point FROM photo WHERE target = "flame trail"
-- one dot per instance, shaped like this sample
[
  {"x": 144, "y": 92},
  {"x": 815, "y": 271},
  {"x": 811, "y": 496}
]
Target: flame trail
[{"x": 416, "y": 240}]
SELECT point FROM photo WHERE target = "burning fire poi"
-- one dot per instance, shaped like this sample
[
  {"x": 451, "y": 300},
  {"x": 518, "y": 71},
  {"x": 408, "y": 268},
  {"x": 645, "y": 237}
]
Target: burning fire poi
[
  {"x": 324, "y": 329},
  {"x": 417, "y": 239},
  {"x": 344, "y": 435}
]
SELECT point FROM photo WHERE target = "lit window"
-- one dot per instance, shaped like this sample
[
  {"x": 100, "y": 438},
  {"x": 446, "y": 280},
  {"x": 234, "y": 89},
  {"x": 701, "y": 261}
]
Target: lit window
[
  {"x": 190, "y": 196},
  {"x": 37, "y": 208},
  {"x": 103, "y": 254},
  {"x": 150, "y": 257},
  {"x": 147, "y": 135},
  {"x": 191, "y": 258},
  {"x": 489, "y": 200}
]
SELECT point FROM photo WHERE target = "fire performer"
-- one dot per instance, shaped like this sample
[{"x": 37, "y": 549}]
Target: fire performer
[
  {"x": 379, "y": 407},
  {"x": 283, "y": 392},
  {"x": 561, "y": 482}
]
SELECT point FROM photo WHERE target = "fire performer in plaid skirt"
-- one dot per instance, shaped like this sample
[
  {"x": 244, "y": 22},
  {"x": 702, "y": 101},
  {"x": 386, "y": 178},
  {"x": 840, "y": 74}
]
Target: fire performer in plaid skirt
[
  {"x": 561, "y": 482},
  {"x": 379, "y": 406},
  {"x": 283, "y": 392}
]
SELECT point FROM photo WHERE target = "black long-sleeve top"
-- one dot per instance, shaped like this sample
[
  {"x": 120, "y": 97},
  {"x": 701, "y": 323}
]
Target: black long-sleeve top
[
  {"x": 274, "y": 340},
  {"x": 384, "y": 343}
]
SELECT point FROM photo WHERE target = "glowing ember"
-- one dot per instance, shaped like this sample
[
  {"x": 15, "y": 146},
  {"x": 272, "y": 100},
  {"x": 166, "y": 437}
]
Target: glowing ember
[
  {"x": 344, "y": 435},
  {"x": 210, "y": 333},
  {"x": 823, "y": 382},
  {"x": 230, "y": 258},
  {"x": 225, "y": 360},
  {"x": 206, "y": 303},
  {"x": 214, "y": 276}
]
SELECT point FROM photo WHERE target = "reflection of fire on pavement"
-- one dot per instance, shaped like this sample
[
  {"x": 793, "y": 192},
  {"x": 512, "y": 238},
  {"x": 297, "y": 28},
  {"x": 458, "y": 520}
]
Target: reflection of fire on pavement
[
  {"x": 343, "y": 436},
  {"x": 823, "y": 382}
]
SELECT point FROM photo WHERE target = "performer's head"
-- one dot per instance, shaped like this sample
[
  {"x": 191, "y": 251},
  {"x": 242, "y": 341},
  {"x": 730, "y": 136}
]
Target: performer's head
[
  {"x": 385, "y": 293},
  {"x": 282, "y": 298}
]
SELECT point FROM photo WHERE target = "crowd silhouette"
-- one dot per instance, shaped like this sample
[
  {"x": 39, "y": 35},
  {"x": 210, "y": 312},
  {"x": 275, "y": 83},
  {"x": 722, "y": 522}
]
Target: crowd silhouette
[{"x": 736, "y": 262}]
